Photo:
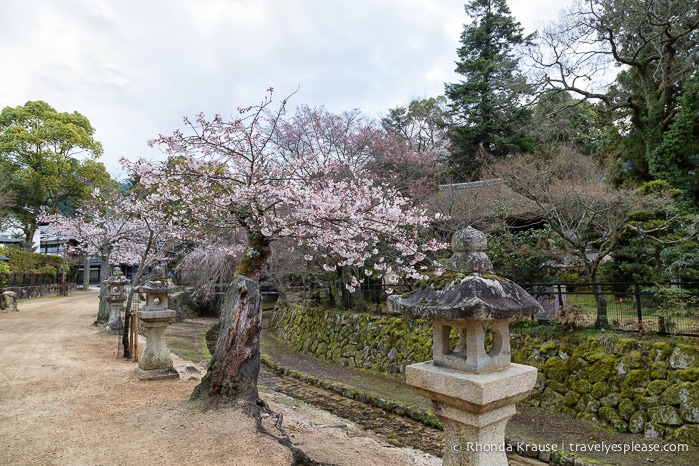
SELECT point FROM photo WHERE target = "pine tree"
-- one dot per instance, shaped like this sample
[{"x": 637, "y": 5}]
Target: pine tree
[{"x": 489, "y": 115}]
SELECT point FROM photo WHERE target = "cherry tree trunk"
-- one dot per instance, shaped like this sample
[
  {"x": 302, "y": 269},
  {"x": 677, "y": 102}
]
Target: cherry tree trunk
[
  {"x": 103, "y": 312},
  {"x": 235, "y": 364}
]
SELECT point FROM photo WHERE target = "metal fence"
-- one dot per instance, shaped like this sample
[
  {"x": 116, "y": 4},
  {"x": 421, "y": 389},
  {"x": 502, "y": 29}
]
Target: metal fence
[
  {"x": 29, "y": 279},
  {"x": 665, "y": 308}
]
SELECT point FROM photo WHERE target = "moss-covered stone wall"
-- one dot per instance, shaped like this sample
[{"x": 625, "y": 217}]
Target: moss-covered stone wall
[
  {"x": 639, "y": 386},
  {"x": 632, "y": 385},
  {"x": 378, "y": 343}
]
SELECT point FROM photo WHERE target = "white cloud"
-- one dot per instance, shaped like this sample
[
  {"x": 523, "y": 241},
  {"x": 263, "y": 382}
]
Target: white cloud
[{"x": 135, "y": 67}]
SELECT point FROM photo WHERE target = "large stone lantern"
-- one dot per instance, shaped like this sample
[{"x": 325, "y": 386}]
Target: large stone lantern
[
  {"x": 115, "y": 299},
  {"x": 473, "y": 389},
  {"x": 156, "y": 362}
]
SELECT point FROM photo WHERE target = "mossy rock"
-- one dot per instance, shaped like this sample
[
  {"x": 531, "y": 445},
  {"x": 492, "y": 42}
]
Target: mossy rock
[
  {"x": 571, "y": 399},
  {"x": 636, "y": 378},
  {"x": 647, "y": 402},
  {"x": 658, "y": 370},
  {"x": 557, "y": 386},
  {"x": 661, "y": 351},
  {"x": 592, "y": 355},
  {"x": 683, "y": 392},
  {"x": 551, "y": 399},
  {"x": 593, "y": 406},
  {"x": 549, "y": 348},
  {"x": 684, "y": 357},
  {"x": 665, "y": 415},
  {"x": 599, "y": 390},
  {"x": 626, "y": 409},
  {"x": 602, "y": 369},
  {"x": 556, "y": 369},
  {"x": 611, "y": 417},
  {"x": 687, "y": 375},
  {"x": 688, "y": 434},
  {"x": 540, "y": 384},
  {"x": 635, "y": 360},
  {"x": 689, "y": 412},
  {"x": 637, "y": 422},
  {"x": 656, "y": 387},
  {"x": 610, "y": 401},
  {"x": 624, "y": 345},
  {"x": 653, "y": 431},
  {"x": 580, "y": 385}
]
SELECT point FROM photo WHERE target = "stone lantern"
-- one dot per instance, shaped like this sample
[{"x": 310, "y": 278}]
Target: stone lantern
[
  {"x": 155, "y": 361},
  {"x": 473, "y": 389},
  {"x": 115, "y": 298}
]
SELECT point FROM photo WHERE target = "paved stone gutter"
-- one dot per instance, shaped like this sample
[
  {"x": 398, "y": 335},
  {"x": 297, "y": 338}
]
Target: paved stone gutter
[{"x": 527, "y": 453}]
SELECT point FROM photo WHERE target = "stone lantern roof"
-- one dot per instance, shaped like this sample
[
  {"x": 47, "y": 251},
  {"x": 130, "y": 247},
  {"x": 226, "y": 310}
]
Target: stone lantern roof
[
  {"x": 468, "y": 289},
  {"x": 116, "y": 278}
]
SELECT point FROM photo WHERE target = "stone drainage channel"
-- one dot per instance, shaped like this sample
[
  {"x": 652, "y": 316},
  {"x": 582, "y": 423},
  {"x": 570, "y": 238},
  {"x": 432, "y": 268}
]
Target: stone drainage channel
[{"x": 398, "y": 430}]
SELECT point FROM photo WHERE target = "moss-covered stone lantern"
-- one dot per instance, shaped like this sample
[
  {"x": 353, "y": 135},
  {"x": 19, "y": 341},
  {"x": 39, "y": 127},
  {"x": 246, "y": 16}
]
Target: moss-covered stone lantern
[
  {"x": 473, "y": 388},
  {"x": 115, "y": 299},
  {"x": 155, "y": 361}
]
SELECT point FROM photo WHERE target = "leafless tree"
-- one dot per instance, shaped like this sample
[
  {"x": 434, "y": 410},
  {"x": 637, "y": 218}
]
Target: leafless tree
[{"x": 572, "y": 194}]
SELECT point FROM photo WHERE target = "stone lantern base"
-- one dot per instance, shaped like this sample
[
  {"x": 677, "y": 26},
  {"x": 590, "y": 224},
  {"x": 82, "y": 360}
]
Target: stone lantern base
[
  {"x": 474, "y": 408},
  {"x": 155, "y": 362}
]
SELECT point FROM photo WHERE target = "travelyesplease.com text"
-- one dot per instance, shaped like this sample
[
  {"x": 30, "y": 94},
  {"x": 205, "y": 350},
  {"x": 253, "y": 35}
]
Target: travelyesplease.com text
[{"x": 566, "y": 447}]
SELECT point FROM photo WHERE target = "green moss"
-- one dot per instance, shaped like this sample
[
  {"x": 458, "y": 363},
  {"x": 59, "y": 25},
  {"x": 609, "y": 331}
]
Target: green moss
[
  {"x": 570, "y": 399},
  {"x": 687, "y": 375},
  {"x": 626, "y": 409},
  {"x": 656, "y": 387},
  {"x": 556, "y": 369},
  {"x": 637, "y": 422},
  {"x": 661, "y": 351},
  {"x": 688, "y": 434},
  {"x": 602, "y": 369},
  {"x": 611, "y": 417},
  {"x": 636, "y": 378},
  {"x": 635, "y": 359},
  {"x": 624, "y": 345},
  {"x": 658, "y": 370},
  {"x": 580, "y": 385},
  {"x": 680, "y": 393},
  {"x": 665, "y": 415},
  {"x": 599, "y": 390},
  {"x": 549, "y": 347}
]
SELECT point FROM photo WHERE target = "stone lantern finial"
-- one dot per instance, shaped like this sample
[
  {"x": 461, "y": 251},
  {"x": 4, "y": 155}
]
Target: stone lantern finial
[{"x": 469, "y": 246}]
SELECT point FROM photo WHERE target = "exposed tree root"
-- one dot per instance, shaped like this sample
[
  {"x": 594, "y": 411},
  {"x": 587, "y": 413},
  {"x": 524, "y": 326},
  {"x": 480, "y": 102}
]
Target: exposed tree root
[{"x": 299, "y": 457}]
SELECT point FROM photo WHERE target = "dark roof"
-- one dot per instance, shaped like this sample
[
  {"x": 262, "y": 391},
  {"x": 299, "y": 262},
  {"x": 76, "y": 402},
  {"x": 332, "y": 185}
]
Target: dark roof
[
  {"x": 483, "y": 204},
  {"x": 5, "y": 239}
]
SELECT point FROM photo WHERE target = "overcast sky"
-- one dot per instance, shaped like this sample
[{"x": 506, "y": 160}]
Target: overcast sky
[{"x": 134, "y": 68}]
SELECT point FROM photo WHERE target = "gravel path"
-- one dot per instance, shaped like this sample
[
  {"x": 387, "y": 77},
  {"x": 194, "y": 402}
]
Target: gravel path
[{"x": 66, "y": 398}]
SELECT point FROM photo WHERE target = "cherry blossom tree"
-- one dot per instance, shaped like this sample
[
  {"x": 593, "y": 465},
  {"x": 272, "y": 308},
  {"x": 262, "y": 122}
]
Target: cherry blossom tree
[
  {"x": 119, "y": 228},
  {"x": 237, "y": 182},
  {"x": 104, "y": 228}
]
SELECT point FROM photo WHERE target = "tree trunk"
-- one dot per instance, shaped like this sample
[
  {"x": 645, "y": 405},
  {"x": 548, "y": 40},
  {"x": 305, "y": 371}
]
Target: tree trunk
[
  {"x": 86, "y": 272},
  {"x": 235, "y": 364},
  {"x": 103, "y": 312}
]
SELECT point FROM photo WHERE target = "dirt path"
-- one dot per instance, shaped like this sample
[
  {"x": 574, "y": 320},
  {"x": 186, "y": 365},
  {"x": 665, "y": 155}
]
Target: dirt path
[{"x": 66, "y": 398}]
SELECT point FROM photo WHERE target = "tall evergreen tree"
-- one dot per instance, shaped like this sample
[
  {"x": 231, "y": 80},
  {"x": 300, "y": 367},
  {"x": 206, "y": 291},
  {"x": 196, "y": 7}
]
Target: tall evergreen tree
[
  {"x": 487, "y": 104},
  {"x": 653, "y": 99}
]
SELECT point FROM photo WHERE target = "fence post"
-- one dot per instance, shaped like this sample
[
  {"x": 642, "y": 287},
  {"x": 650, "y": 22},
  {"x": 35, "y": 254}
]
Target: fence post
[{"x": 637, "y": 298}]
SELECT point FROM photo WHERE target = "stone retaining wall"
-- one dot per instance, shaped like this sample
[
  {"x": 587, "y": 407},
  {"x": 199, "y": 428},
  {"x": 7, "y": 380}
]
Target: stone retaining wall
[
  {"x": 644, "y": 387},
  {"x": 379, "y": 343},
  {"x": 34, "y": 291}
]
